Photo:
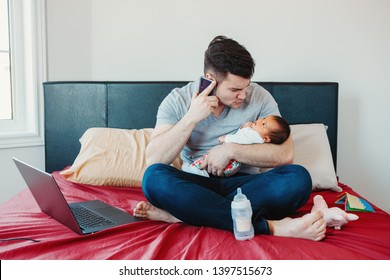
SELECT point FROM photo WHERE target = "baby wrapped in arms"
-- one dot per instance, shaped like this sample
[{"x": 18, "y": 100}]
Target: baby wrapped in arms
[{"x": 271, "y": 129}]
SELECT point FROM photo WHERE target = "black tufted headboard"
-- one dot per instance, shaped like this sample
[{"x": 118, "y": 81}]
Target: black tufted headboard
[{"x": 73, "y": 107}]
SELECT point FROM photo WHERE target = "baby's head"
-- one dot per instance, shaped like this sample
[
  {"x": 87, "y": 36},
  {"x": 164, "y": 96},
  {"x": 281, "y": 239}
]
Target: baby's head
[{"x": 273, "y": 129}]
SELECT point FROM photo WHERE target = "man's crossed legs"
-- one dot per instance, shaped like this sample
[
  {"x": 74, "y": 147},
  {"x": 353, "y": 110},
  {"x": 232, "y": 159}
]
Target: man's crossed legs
[{"x": 177, "y": 196}]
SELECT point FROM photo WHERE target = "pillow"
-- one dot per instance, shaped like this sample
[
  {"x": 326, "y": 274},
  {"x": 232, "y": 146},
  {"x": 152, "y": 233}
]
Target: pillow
[
  {"x": 111, "y": 157},
  {"x": 312, "y": 150},
  {"x": 116, "y": 157}
]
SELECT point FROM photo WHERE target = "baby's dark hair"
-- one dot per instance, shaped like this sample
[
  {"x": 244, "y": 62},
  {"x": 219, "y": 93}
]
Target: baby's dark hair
[
  {"x": 224, "y": 56},
  {"x": 279, "y": 135}
]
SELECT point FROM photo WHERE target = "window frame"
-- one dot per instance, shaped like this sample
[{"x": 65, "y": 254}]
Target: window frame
[{"x": 28, "y": 72}]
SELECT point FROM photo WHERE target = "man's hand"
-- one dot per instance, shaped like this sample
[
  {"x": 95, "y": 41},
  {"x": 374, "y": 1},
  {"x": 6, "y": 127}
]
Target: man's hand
[
  {"x": 217, "y": 159},
  {"x": 202, "y": 105},
  {"x": 160, "y": 148}
]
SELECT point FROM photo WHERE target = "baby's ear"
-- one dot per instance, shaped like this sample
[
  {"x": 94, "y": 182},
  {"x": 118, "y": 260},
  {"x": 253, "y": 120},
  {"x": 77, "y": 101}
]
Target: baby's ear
[{"x": 267, "y": 139}]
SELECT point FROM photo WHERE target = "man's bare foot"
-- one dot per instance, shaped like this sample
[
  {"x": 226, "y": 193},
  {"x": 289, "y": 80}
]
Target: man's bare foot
[
  {"x": 310, "y": 226},
  {"x": 334, "y": 216},
  {"x": 319, "y": 204},
  {"x": 145, "y": 210}
]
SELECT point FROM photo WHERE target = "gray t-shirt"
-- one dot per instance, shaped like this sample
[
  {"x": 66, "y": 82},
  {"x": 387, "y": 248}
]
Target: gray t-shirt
[{"x": 258, "y": 104}]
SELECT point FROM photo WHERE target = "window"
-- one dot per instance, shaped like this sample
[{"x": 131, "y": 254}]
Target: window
[
  {"x": 22, "y": 68},
  {"x": 5, "y": 70}
]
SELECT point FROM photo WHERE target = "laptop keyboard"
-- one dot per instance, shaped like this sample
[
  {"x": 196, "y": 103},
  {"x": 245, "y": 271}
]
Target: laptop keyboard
[{"x": 88, "y": 219}]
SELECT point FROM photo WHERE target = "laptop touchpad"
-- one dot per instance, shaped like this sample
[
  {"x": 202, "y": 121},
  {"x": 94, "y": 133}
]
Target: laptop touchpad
[{"x": 109, "y": 211}]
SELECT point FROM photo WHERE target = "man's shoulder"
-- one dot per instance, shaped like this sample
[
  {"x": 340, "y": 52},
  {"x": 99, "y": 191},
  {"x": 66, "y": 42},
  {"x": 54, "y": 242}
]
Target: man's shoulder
[
  {"x": 257, "y": 93},
  {"x": 188, "y": 88},
  {"x": 182, "y": 93},
  {"x": 256, "y": 88},
  {"x": 175, "y": 104},
  {"x": 259, "y": 99}
]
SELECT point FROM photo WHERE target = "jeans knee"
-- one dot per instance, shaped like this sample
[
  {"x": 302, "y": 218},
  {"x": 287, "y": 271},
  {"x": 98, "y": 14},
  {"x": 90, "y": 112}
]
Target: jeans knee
[
  {"x": 302, "y": 177},
  {"x": 152, "y": 169},
  {"x": 149, "y": 177},
  {"x": 157, "y": 180}
]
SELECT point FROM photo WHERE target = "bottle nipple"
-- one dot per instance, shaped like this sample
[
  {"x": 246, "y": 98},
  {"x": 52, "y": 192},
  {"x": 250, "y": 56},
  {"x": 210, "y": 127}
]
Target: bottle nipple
[
  {"x": 239, "y": 195},
  {"x": 240, "y": 200}
]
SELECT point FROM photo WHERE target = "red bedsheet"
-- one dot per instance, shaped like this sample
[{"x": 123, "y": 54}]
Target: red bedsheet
[{"x": 20, "y": 217}]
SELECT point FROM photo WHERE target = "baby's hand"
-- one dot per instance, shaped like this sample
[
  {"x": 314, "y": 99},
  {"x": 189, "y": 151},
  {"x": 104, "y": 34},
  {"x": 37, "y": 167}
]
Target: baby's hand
[
  {"x": 221, "y": 139},
  {"x": 246, "y": 124}
]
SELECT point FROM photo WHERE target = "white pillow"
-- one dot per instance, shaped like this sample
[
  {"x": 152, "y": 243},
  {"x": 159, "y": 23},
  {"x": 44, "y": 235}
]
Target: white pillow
[{"x": 312, "y": 150}]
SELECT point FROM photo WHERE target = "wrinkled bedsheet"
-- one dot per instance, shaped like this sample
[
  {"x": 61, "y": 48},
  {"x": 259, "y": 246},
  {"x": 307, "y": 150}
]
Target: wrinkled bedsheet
[{"x": 20, "y": 217}]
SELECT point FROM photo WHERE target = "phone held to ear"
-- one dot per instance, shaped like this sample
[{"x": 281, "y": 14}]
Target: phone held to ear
[{"x": 204, "y": 83}]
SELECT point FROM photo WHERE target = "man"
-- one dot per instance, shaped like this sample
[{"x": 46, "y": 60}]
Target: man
[{"x": 189, "y": 123}]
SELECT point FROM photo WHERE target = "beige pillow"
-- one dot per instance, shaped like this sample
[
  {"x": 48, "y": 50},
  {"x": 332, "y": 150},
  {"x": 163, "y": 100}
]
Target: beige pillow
[
  {"x": 111, "y": 157},
  {"x": 312, "y": 150}
]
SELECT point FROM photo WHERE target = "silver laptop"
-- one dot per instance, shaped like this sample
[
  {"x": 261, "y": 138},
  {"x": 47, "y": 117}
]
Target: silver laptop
[{"x": 81, "y": 217}]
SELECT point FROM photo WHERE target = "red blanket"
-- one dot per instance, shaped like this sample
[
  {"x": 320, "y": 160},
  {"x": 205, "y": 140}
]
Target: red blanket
[{"x": 20, "y": 217}]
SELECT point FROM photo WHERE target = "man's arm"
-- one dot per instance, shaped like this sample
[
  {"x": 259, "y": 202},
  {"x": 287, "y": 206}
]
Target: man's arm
[
  {"x": 260, "y": 155},
  {"x": 265, "y": 155},
  {"x": 168, "y": 140}
]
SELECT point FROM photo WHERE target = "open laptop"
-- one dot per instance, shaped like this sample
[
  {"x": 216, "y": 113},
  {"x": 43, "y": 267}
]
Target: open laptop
[{"x": 81, "y": 217}]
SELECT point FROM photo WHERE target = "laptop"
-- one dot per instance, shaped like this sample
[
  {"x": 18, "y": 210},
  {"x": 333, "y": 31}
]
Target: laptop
[{"x": 81, "y": 217}]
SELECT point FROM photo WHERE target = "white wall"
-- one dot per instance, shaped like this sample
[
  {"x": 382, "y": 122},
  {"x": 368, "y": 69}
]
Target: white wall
[
  {"x": 11, "y": 180},
  {"x": 345, "y": 41}
]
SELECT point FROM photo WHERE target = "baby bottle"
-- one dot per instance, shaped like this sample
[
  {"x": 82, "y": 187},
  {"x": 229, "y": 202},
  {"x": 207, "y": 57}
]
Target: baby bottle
[{"x": 242, "y": 217}]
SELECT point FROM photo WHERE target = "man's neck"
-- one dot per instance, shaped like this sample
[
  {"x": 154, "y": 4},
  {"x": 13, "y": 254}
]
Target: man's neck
[{"x": 218, "y": 111}]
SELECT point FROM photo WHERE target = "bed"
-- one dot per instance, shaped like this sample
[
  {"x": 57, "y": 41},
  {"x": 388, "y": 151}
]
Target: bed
[{"x": 79, "y": 114}]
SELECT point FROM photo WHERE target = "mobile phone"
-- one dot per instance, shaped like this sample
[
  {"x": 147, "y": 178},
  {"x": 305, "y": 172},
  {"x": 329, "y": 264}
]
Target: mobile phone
[{"x": 204, "y": 83}]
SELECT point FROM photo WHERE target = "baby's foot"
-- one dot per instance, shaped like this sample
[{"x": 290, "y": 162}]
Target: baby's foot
[
  {"x": 311, "y": 226},
  {"x": 145, "y": 210}
]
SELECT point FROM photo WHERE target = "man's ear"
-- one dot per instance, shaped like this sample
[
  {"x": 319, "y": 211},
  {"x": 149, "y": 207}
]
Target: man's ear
[{"x": 210, "y": 76}]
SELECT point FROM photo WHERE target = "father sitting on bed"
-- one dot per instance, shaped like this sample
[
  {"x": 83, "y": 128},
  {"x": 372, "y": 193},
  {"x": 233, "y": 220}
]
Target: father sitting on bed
[{"x": 189, "y": 122}]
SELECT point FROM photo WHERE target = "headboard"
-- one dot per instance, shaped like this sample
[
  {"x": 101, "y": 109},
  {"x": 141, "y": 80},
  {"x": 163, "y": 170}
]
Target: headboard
[{"x": 73, "y": 107}]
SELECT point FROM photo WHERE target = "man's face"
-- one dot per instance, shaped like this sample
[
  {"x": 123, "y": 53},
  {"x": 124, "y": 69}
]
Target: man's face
[{"x": 232, "y": 90}]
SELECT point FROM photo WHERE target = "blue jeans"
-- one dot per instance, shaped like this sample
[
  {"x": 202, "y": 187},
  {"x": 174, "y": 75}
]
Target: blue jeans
[{"x": 203, "y": 201}]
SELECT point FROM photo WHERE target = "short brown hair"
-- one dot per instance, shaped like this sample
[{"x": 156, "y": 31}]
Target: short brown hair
[{"x": 224, "y": 56}]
